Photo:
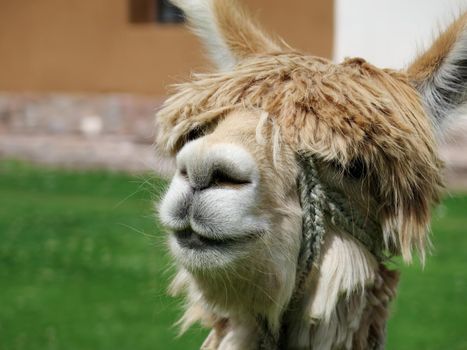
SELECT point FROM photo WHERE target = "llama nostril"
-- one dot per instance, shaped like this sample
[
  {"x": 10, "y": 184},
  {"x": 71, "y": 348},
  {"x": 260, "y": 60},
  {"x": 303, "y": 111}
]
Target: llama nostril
[
  {"x": 221, "y": 178},
  {"x": 215, "y": 178},
  {"x": 183, "y": 173}
]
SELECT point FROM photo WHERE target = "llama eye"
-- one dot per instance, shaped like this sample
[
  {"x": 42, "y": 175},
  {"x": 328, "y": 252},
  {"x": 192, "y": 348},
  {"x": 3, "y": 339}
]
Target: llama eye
[
  {"x": 356, "y": 169},
  {"x": 220, "y": 178},
  {"x": 195, "y": 134}
]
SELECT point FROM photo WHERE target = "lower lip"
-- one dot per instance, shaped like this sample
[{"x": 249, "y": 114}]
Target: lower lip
[{"x": 191, "y": 240}]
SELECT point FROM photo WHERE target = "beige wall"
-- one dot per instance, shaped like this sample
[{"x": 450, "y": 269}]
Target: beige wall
[{"x": 89, "y": 45}]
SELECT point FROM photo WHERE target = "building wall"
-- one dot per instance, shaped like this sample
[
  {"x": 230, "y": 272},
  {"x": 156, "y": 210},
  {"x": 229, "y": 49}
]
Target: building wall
[
  {"x": 389, "y": 33},
  {"x": 90, "y": 46}
]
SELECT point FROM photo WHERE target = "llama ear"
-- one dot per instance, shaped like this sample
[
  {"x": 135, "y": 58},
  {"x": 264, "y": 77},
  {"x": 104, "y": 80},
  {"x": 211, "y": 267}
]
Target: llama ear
[
  {"x": 227, "y": 31},
  {"x": 440, "y": 75}
]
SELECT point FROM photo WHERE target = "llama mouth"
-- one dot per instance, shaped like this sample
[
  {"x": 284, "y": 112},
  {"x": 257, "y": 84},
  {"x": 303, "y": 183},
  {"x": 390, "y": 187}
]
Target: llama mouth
[{"x": 192, "y": 240}]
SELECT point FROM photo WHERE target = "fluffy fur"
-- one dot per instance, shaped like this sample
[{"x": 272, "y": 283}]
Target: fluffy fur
[
  {"x": 440, "y": 74},
  {"x": 339, "y": 112},
  {"x": 219, "y": 24},
  {"x": 373, "y": 133}
]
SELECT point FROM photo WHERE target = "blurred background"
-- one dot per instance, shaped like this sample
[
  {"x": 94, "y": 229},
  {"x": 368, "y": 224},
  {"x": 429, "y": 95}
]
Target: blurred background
[{"x": 83, "y": 262}]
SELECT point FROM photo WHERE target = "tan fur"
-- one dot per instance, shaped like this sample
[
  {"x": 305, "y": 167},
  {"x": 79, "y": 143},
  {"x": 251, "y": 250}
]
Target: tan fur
[
  {"x": 275, "y": 103},
  {"x": 240, "y": 33},
  {"x": 427, "y": 63},
  {"x": 229, "y": 34}
]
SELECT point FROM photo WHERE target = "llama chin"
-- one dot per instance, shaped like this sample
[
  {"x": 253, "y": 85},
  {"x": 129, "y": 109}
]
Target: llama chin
[{"x": 297, "y": 178}]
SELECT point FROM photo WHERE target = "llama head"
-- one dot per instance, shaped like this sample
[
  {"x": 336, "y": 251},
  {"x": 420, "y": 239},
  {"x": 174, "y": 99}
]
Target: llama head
[{"x": 233, "y": 206}]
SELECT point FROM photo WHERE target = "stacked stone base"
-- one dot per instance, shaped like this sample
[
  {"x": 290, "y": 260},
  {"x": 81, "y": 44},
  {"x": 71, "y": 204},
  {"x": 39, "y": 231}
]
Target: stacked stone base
[{"x": 116, "y": 131}]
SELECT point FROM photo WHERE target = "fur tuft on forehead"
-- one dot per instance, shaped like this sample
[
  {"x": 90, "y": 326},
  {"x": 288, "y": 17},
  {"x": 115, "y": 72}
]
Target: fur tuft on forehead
[{"x": 338, "y": 112}]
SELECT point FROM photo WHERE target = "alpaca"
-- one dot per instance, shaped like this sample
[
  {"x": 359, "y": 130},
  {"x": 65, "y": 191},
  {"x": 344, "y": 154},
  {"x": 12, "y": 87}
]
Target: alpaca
[{"x": 297, "y": 179}]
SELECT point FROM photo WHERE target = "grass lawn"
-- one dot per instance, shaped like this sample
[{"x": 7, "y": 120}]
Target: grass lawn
[{"x": 83, "y": 265}]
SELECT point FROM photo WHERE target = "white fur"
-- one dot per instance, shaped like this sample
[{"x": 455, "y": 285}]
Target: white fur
[
  {"x": 346, "y": 267},
  {"x": 213, "y": 212},
  {"x": 338, "y": 331},
  {"x": 201, "y": 16},
  {"x": 247, "y": 279},
  {"x": 242, "y": 336},
  {"x": 333, "y": 311}
]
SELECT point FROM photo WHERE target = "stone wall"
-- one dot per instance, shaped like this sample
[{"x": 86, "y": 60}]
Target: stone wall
[
  {"x": 110, "y": 131},
  {"x": 116, "y": 131},
  {"x": 79, "y": 114}
]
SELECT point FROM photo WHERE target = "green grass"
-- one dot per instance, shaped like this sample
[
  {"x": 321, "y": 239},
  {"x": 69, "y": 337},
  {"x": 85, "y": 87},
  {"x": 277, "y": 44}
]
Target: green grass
[
  {"x": 430, "y": 311},
  {"x": 83, "y": 265}
]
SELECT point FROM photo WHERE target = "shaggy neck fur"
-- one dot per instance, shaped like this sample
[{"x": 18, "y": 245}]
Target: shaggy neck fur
[
  {"x": 320, "y": 204},
  {"x": 341, "y": 293}
]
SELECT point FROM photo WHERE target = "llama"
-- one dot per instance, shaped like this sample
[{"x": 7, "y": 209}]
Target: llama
[{"x": 297, "y": 179}]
